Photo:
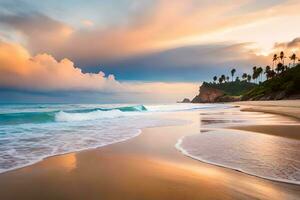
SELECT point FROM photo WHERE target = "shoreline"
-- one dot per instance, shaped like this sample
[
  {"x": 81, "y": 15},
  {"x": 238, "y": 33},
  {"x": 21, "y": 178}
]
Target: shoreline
[
  {"x": 232, "y": 168},
  {"x": 286, "y": 131},
  {"x": 119, "y": 168},
  {"x": 288, "y": 108},
  {"x": 66, "y": 153}
]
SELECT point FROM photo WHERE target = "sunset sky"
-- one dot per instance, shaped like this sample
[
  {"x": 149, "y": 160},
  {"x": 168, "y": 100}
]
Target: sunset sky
[{"x": 106, "y": 51}]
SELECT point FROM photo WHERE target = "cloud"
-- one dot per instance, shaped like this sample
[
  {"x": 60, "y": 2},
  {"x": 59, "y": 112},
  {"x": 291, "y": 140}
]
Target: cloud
[
  {"x": 87, "y": 23},
  {"x": 188, "y": 63},
  {"x": 294, "y": 45},
  {"x": 44, "y": 74},
  {"x": 41, "y": 32},
  {"x": 146, "y": 29}
]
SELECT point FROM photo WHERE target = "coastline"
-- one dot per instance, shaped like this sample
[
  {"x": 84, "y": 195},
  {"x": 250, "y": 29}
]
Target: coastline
[
  {"x": 287, "y": 131},
  {"x": 289, "y": 108},
  {"x": 183, "y": 151},
  {"x": 147, "y": 166}
]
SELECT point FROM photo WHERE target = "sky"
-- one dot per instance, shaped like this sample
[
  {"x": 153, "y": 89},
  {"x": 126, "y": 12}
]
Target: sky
[{"x": 135, "y": 51}]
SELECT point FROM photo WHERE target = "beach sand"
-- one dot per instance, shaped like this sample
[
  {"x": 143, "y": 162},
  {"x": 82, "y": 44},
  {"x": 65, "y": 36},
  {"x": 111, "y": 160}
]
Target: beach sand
[
  {"x": 288, "y": 131},
  {"x": 290, "y": 108},
  {"x": 145, "y": 167}
]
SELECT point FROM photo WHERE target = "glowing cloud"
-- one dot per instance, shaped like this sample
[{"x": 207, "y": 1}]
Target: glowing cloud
[
  {"x": 87, "y": 23},
  {"x": 19, "y": 70},
  {"x": 162, "y": 25}
]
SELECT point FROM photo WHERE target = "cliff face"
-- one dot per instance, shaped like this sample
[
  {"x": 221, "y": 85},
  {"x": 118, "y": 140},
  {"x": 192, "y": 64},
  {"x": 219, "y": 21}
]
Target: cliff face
[
  {"x": 208, "y": 95},
  {"x": 186, "y": 100}
]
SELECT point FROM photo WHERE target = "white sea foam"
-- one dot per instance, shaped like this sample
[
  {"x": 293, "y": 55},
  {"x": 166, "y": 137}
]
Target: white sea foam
[
  {"x": 246, "y": 152},
  {"x": 270, "y": 157},
  {"x": 182, "y": 107},
  {"x": 75, "y": 128},
  {"x": 94, "y": 115},
  {"x": 23, "y": 143}
]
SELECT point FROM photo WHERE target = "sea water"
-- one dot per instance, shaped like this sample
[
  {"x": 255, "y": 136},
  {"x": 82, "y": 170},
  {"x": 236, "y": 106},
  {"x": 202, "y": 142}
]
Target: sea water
[
  {"x": 32, "y": 132},
  {"x": 266, "y": 156}
]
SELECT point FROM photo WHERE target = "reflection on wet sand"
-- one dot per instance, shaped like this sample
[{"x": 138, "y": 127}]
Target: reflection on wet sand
[
  {"x": 67, "y": 162},
  {"x": 146, "y": 167}
]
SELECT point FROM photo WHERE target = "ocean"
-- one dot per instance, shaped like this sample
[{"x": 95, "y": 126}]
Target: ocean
[{"x": 31, "y": 132}]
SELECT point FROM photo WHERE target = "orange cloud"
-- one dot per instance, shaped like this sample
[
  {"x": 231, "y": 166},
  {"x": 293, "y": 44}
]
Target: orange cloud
[
  {"x": 87, "y": 23},
  {"x": 20, "y": 70},
  {"x": 293, "y": 45},
  {"x": 164, "y": 25}
]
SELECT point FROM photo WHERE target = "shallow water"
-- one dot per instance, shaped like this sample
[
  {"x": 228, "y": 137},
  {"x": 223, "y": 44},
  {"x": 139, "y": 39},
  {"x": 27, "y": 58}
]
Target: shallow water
[
  {"x": 262, "y": 155},
  {"x": 266, "y": 156},
  {"x": 30, "y": 133}
]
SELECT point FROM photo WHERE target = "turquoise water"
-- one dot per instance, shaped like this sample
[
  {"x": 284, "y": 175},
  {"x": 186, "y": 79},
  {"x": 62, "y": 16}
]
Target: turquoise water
[
  {"x": 43, "y": 117},
  {"x": 32, "y": 132}
]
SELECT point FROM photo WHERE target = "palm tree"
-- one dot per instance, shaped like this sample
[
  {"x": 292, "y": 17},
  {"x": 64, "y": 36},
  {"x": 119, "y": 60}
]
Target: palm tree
[
  {"x": 275, "y": 58},
  {"x": 293, "y": 57},
  {"x": 223, "y": 77},
  {"x": 215, "y": 78},
  {"x": 232, "y": 73},
  {"x": 244, "y": 76},
  {"x": 220, "y": 80},
  {"x": 267, "y": 71},
  {"x": 279, "y": 68},
  {"x": 248, "y": 77},
  {"x": 254, "y": 75},
  {"x": 272, "y": 73},
  {"x": 281, "y": 56},
  {"x": 227, "y": 78},
  {"x": 259, "y": 72},
  {"x": 237, "y": 79}
]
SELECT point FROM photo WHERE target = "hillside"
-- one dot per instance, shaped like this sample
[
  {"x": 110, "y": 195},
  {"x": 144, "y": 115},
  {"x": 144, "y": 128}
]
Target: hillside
[
  {"x": 282, "y": 83},
  {"x": 235, "y": 88},
  {"x": 283, "y": 86},
  {"x": 222, "y": 92}
]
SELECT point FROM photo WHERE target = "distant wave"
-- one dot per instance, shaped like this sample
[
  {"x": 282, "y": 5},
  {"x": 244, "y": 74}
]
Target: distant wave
[
  {"x": 30, "y": 133},
  {"x": 61, "y": 114},
  {"x": 138, "y": 108},
  {"x": 94, "y": 115},
  {"x": 70, "y": 115},
  {"x": 26, "y": 117}
]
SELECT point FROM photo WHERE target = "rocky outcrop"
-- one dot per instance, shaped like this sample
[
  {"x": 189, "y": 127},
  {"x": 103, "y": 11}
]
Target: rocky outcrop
[
  {"x": 227, "y": 98},
  {"x": 208, "y": 95},
  {"x": 185, "y": 100}
]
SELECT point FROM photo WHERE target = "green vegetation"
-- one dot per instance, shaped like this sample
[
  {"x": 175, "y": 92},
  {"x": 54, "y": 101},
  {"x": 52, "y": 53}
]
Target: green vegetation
[
  {"x": 284, "y": 84},
  {"x": 235, "y": 88},
  {"x": 281, "y": 80}
]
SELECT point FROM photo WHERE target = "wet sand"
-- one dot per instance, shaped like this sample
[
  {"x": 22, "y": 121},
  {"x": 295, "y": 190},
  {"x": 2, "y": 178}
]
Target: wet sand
[
  {"x": 290, "y": 108},
  {"x": 145, "y": 167},
  {"x": 288, "y": 131}
]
